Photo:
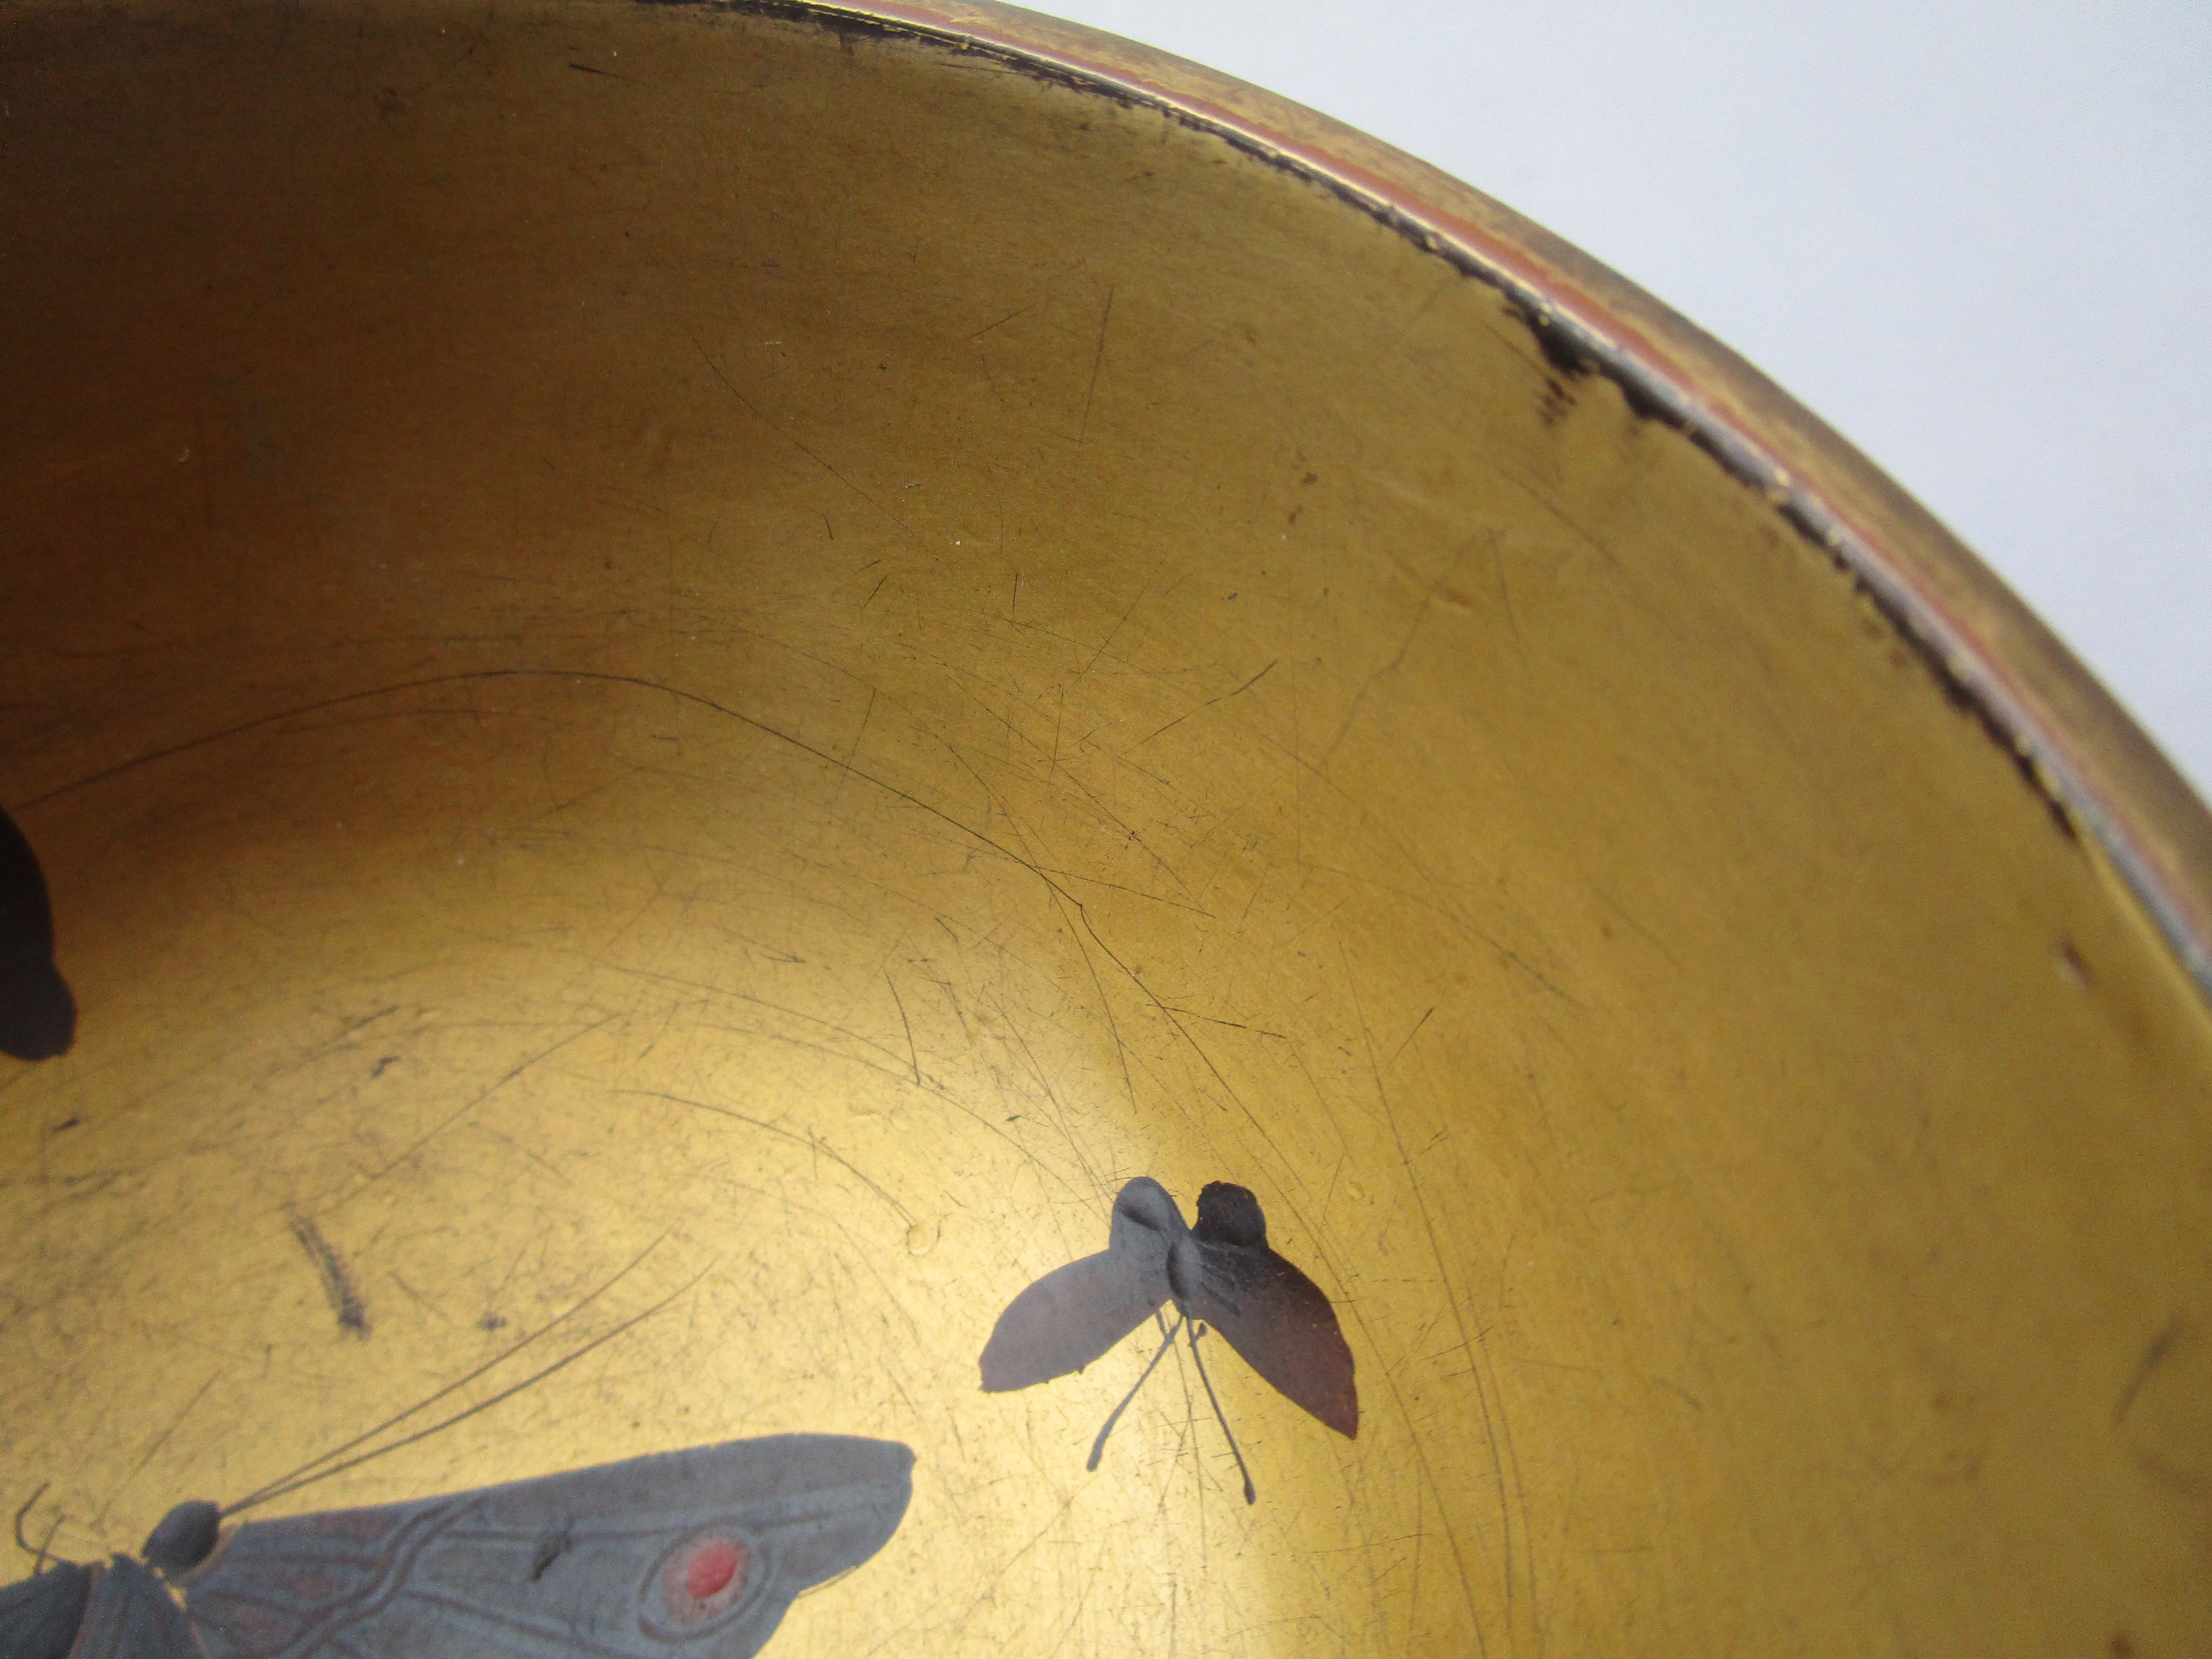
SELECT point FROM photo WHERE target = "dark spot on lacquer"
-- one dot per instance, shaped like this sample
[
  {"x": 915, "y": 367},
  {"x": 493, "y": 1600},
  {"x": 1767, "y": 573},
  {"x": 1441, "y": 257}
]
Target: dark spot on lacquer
[
  {"x": 2154, "y": 1355},
  {"x": 551, "y": 1548},
  {"x": 1567, "y": 353},
  {"x": 338, "y": 1284}
]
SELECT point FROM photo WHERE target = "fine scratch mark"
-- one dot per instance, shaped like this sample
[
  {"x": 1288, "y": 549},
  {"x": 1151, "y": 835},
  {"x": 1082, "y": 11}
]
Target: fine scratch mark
[
  {"x": 1397, "y": 659},
  {"x": 1409, "y": 1036},
  {"x": 1136, "y": 599},
  {"x": 1075, "y": 1618},
  {"x": 1058, "y": 1117},
  {"x": 753, "y": 410},
  {"x": 1419, "y": 311},
  {"x": 1459, "y": 1318},
  {"x": 2154, "y": 1357},
  {"x": 337, "y": 1283},
  {"x": 336, "y": 1461},
  {"x": 912, "y": 1059},
  {"x": 1097, "y": 358},
  {"x": 588, "y": 69},
  {"x": 853, "y": 753},
  {"x": 1234, "y": 1025},
  {"x": 990, "y": 1589},
  {"x": 893, "y": 791},
  {"x": 159, "y": 1441},
  {"x": 1413, "y": 1588},
  {"x": 1023, "y": 311},
  {"x": 464, "y": 1110},
  {"x": 813, "y": 1143},
  {"x": 1207, "y": 704},
  {"x": 1505, "y": 592},
  {"x": 1105, "y": 1003}
]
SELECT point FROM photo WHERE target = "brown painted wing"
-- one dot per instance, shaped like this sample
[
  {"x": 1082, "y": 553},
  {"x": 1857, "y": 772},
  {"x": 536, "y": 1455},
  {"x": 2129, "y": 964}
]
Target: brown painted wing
[
  {"x": 1074, "y": 1313},
  {"x": 1280, "y": 1320}
]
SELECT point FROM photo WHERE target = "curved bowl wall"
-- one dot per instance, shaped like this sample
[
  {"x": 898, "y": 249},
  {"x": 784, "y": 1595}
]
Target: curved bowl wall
[{"x": 721, "y": 664}]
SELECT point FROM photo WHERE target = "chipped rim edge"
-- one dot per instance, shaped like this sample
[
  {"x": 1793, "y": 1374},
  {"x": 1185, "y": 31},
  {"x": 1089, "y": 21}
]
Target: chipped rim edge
[{"x": 2077, "y": 747}]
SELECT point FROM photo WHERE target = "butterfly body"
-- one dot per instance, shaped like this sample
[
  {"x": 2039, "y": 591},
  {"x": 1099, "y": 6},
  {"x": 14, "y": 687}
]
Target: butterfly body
[
  {"x": 1221, "y": 1272},
  {"x": 695, "y": 1552}
]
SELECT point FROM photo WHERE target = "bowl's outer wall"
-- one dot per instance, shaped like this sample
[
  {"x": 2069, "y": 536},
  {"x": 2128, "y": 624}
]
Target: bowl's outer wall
[{"x": 638, "y": 628}]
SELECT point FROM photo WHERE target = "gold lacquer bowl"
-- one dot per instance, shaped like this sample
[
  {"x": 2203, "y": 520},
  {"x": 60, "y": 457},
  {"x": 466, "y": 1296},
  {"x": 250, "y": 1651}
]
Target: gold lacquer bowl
[{"x": 685, "y": 676}]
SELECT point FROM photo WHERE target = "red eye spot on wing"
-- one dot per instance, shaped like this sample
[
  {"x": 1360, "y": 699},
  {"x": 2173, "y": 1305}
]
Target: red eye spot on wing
[
  {"x": 699, "y": 1580},
  {"x": 713, "y": 1566}
]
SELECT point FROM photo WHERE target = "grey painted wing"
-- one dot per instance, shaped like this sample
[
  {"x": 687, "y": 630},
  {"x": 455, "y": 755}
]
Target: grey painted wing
[
  {"x": 39, "y": 1618},
  {"x": 129, "y": 1616},
  {"x": 1074, "y": 1313},
  {"x": 1281, "y": 1322},
  {"x": 1070, "y": 1317},
  {"x": 695, "y": 1553}
]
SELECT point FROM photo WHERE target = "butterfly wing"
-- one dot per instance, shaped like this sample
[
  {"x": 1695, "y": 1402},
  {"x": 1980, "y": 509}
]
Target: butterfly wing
[
  {"x": 1283, "y": 1325},
  {"x": 129, "y": 1615},
  {"x": 38, "y": 1016},
  {"x": 693, "y": 1552},
  {"x": 1070, "y": 1317},
  {"x": 39, "y": 1618},
  {"x": 1076, "y": 1313}
]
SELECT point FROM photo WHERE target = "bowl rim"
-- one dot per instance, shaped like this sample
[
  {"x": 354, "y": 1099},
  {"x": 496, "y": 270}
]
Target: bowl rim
[{"x": 2077, "y": 748}]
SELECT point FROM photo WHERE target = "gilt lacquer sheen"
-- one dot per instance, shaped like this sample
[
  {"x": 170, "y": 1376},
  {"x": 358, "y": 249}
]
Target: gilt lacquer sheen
[{"x": 828, "y": 635}]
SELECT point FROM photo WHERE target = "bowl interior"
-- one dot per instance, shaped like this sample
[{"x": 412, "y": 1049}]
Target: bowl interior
[{"x": 669, "y": 659}]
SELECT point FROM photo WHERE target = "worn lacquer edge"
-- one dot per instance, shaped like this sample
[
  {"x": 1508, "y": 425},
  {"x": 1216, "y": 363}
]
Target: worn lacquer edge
[{"x": 2093, "y": 767}]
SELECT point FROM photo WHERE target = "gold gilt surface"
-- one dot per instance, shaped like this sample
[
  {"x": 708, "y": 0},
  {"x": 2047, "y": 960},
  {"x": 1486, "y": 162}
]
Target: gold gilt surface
[{"x": 684, "y": 658}]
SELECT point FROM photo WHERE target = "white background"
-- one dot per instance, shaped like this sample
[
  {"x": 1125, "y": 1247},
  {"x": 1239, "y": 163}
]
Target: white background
[{"x": 1973, "y": 235}]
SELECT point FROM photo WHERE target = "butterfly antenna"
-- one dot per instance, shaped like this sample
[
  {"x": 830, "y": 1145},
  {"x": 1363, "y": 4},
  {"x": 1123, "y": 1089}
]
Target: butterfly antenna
[
  {"x": 47, "y": 1543},
  {"x": 22, "y": 1543},
  {"x": 1098, "y": 1446},
  {"x": 1251, "y": 1495},
  {"x": 324, "y": 1466},
  {"x": 299, "y": 1477}
]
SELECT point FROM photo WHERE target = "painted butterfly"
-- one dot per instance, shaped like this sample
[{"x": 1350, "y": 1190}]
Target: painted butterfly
[
  {"x": 37, "y": 1015},
  {"x": 1220, "y": 1273},
  {"x": 696, "y": 1551}
]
